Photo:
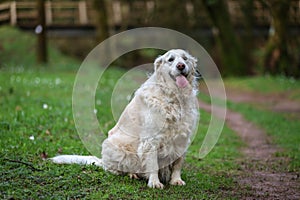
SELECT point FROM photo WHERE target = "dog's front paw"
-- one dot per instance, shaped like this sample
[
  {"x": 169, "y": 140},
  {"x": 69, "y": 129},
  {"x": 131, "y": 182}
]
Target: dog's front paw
[
  {"x": 177, "y": 182},
  {"x": 134, "y": 176},
  {"x": 155, "y": 184}
]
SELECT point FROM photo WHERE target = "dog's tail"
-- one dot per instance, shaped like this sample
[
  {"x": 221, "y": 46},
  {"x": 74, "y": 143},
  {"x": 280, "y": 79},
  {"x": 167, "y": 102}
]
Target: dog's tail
[{"x": 75, "y": 159}]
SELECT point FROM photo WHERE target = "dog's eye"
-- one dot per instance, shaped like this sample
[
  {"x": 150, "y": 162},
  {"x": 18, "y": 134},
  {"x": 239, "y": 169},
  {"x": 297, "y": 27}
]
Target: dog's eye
[
  {"x": 184, "y": 57},
  {"x": 171, "y": 59}
]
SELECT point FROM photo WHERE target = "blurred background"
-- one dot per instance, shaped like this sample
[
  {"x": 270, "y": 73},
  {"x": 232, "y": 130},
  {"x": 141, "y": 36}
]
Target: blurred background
[
  {"x": 255, "y": 44},
  {"x": 249, "y": 37}
]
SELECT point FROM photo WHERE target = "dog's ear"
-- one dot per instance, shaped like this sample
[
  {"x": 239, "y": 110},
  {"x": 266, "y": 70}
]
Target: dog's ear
[
  {"x": 158, "y": 62},
  {"x": 194, "y": 62},
  {"x": 198, "y": 75}
]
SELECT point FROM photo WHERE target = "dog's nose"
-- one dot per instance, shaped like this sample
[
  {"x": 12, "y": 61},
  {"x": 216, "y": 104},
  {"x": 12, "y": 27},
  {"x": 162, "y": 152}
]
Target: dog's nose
[{"x": 180, "y": 66}]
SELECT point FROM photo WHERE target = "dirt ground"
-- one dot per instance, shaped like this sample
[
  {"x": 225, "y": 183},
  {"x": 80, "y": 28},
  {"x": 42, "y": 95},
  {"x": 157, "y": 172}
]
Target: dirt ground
[{"x": 262, "y": 175}]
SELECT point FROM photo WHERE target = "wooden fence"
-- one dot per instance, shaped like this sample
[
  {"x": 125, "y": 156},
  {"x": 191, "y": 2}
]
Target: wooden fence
[
  {"x": 121, "y": 13},
  {"x": 57, "y": 13}
]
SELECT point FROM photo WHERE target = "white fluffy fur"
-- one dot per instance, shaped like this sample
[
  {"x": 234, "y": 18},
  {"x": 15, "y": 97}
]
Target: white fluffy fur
[
  {"x": 75, "y": 159},
  {"x": 153, "y": 133}
]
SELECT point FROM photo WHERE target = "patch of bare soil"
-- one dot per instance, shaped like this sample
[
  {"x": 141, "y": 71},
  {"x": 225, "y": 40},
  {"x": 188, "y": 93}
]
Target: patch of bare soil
[{"x": 262, "y": 175}]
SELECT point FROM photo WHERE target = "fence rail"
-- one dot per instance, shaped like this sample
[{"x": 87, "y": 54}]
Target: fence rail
[
  {"x": 121, "y": 13},
  {"x": 57, "y": 13}
]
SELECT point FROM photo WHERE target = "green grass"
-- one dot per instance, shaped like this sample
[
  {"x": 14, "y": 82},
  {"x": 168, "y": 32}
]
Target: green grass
[
  {"x": 36, "y": 122},
  {"x": 36, "y": 102},
  {"x": 267, "y": 85},
  {"x": 283, "y": 129},
  {"x": 23, "y": 115},
  {"x": 17, "y": 52}
]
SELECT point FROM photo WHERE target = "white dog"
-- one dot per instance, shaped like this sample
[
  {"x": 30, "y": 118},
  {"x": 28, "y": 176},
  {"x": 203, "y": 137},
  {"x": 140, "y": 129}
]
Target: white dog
[{"x": 154, "y": 131}]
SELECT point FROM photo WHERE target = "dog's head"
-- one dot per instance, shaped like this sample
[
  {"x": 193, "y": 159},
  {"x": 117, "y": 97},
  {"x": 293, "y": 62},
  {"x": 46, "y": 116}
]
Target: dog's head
[{"x": 179, "y": 66}]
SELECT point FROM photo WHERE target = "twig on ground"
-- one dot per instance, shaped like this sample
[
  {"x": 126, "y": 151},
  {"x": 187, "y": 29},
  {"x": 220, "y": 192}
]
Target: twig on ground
[{"x": 23, "y": 163}]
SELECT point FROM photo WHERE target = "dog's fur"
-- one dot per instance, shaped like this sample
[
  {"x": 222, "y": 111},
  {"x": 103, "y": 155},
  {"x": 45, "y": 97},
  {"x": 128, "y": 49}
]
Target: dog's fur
[{"x": 153, "y": 133}]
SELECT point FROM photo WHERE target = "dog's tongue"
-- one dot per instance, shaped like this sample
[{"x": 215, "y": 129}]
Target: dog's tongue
[{"x": 181, "y": 81}]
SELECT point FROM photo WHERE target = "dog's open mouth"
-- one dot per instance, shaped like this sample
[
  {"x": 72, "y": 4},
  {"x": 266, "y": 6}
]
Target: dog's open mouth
[{"x": 181, "y": 80}]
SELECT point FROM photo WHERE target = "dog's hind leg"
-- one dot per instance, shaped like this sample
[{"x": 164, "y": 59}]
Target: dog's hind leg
[{"x": 176, "y": 172}]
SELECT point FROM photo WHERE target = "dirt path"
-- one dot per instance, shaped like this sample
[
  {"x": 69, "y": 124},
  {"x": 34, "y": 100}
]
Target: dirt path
[{"x": 261, "y": 175}]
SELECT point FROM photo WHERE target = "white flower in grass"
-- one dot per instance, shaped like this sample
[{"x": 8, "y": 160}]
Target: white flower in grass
[
  {"x": 128, "y": 97},
  {"x": 98, "y": 102},
  {"x": 37, "y": 80},
  {"x": 18, "y": 79},
  {"x": 45, "y": 106},
  {"x": 31, "y": 138},
  {"x": 57, "y": 81}
]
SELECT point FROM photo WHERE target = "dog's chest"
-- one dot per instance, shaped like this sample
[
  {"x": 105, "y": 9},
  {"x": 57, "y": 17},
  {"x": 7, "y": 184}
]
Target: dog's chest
[
  {"x": 172, "y": 116},
  {"x": 178, "y": 129},
  {"x": 175, "y": 138},
  {"x": 171, "y": 148}
]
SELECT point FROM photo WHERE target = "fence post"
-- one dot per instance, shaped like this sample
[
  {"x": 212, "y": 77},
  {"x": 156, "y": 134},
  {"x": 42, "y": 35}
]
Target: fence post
[
  {"x": 82, "y": 8},
  {"x": 49, "y": 18},
  {"x": 13, "y": 13}
]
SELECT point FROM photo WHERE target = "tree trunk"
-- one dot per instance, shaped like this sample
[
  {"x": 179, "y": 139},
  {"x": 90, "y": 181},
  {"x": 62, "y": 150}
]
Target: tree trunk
[
  {"x": 277, "y": 59},
  {"x": 41, "y": 33},
  {"x": 171, "y": 14},
  {"x": 232, "y": 56},
  {"x": 102, "y": 20},
  {"x": 247, "y": 7}
]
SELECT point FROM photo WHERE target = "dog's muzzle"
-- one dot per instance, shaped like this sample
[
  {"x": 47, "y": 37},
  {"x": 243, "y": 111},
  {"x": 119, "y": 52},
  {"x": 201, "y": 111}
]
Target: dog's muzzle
[{"x": 180, "y": 79}]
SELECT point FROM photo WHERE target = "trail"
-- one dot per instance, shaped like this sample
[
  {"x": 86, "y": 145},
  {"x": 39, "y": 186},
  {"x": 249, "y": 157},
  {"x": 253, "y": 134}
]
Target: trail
[{"x": 261, "y": 174}]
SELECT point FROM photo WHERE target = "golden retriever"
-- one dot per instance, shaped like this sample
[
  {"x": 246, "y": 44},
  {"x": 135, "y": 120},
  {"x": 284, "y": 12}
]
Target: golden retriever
[{"x": 154, "y": 131}]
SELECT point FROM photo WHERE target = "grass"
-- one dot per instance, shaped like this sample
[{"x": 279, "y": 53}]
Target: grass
[
  {"x": 36, "y": 122},
  {"x": 283, "y": 129},
  {"x": 31, "y": 108},
  {"x": 17, "y": 52},
  {"x": 267, "y": 85}
]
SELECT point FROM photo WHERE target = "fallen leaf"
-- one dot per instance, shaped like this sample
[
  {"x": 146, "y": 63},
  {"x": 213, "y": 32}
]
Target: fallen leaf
[
  {"x": 48, "y": 132},
  {"x": 18, "y": 108},
  {"x": 59, "y": 150},
  {"x": 44, "y": 155}
]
